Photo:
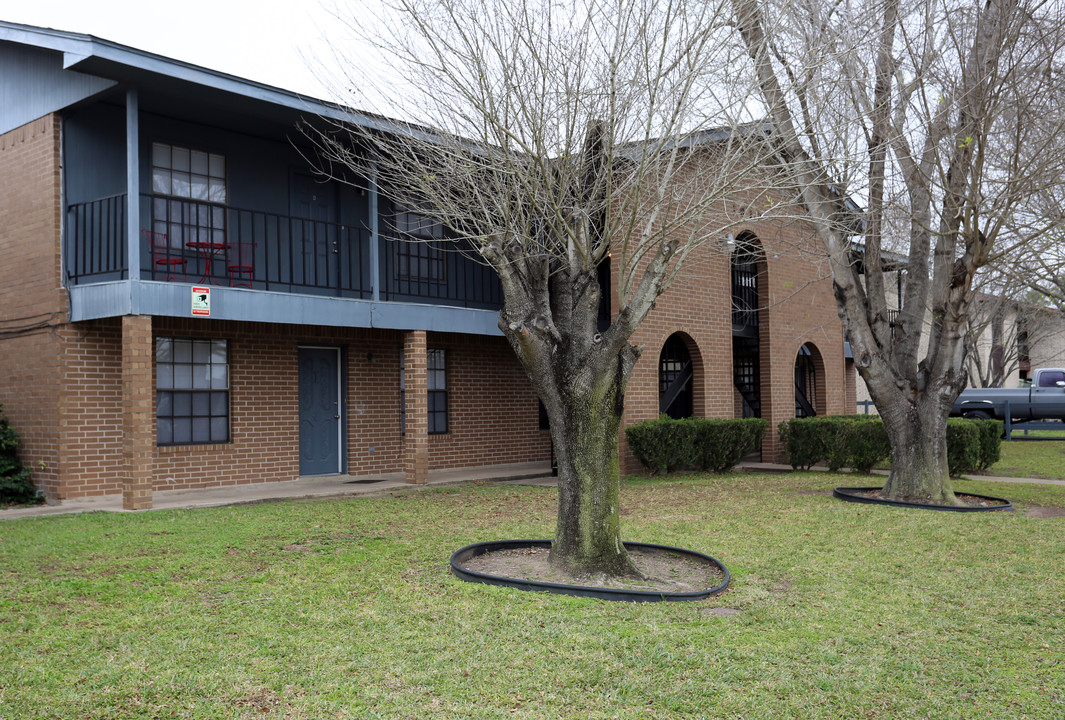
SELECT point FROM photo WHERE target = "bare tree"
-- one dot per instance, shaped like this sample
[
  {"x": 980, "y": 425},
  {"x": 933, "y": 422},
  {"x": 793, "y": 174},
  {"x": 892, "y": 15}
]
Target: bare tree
[
  {"x": 943, "y": 116},
  {"x": 553, "y": 138}
]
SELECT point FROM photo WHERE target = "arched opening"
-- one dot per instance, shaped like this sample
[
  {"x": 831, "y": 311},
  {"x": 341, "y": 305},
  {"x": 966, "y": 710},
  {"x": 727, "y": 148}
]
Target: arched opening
[
  {"x": 809, "y": 381},
  {"x": 746, "y": 259},
  {"x": 676, "y": 375}
]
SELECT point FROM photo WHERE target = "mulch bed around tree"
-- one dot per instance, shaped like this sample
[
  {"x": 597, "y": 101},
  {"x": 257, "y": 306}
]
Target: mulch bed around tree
[
  {"x": 967, "y": 502},
  {"x": 971, "y": 500},
  {"x": 664, "y": 571}
]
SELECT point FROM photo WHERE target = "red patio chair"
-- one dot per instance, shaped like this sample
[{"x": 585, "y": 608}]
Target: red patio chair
[
  {"x": 240, "y": 264},
  {"x": 163, "y": 258}
]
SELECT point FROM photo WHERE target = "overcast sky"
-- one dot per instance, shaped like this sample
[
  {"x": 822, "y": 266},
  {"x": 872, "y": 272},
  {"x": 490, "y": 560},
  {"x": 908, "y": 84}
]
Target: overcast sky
[{"x": 271, "y": 41}]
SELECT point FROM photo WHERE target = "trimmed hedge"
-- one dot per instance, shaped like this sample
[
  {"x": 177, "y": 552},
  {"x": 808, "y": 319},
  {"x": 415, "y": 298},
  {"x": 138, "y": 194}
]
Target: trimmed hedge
[
  {"x": 15, "y": 484},
  {"x": 963, "y": 445},
  {"x": 665, "y": 444},
  {"x": 991, "y": 432},
  {"x": 860, "y": 442},
  {"x": 857, "y": 441}
]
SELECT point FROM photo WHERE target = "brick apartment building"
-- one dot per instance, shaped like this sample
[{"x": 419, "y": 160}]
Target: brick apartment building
[{"x": 186, "y": 305}]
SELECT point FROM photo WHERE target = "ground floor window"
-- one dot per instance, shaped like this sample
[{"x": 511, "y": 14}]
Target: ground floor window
[
  {"x": 437, "y": 386},
  {"x": 436, "y": 382},
  {"x": 192, "y": 391}
]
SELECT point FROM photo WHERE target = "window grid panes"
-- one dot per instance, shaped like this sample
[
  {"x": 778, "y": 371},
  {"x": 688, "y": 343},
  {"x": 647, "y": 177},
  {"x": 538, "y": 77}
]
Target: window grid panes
[
  {"x": 437, "y": 387},
  {"x": 192, "y": 175},
  {"x": 419, "y": 253},
  {"x": 192, "y": 391},
  {"x": 186, "y": 173}
]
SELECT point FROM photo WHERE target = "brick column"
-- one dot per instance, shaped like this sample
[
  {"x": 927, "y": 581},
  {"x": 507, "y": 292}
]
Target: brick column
[
  {"x": 416, "y": 440},
  {"x": 138, "y": 441}
]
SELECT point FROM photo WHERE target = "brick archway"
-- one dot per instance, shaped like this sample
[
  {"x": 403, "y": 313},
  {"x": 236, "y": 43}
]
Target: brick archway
[
  {"x": 810, "y": 379},
  {"x": 679, "y": 371}
]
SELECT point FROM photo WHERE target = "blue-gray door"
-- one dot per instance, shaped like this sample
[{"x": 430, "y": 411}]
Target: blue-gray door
[
  {"x": 321, "y": 407},
  {"x": 315, "y": 234}
]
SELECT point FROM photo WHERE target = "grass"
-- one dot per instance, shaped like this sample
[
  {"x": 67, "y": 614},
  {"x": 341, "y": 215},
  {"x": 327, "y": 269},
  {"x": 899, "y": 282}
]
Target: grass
[
  {"x": 346, "y": 609},
  {"x": 1032, "y": 458}
]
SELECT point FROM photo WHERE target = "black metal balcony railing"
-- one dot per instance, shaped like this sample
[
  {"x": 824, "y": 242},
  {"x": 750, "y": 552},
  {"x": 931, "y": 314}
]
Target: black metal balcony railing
[
  {"x": 252, "y": 249},
  {"x": 96, "y": 240},
  {"x": 440, "y": 270},
  {"x": 190, "y": 241}
]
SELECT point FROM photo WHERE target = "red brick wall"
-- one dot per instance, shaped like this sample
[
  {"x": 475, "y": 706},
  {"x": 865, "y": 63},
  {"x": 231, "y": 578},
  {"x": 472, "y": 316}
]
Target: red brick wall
[
  {"x": 32, "y": 300},
  {"x": 493, "y": 411},
  {"x": 90, "y": 417},
  {"x": 798, "y": 308}
]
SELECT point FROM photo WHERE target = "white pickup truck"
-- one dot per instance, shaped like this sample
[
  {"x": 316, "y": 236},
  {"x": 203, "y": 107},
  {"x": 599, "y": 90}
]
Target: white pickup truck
[{"x": 1044, "y": 399}]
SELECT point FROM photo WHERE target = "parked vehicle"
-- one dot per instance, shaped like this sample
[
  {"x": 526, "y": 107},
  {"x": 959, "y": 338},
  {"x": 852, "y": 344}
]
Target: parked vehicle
[{"x": 1044, "y": 399}]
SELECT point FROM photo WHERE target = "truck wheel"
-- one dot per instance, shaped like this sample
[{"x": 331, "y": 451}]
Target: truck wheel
[{"x": 977, "y": 415}]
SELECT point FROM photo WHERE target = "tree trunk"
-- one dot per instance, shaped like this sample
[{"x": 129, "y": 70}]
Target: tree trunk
[
  {"x": 918, "y": 435},
  {"x": 588, "y": 534}
]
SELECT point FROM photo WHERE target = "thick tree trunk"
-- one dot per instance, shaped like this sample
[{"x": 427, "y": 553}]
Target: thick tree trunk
[
  {"x": 588, "y": 534},
  {"x": 918, "y": 434}
]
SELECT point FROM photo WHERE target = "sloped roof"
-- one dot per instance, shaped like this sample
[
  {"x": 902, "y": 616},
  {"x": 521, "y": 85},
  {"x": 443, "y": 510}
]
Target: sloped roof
[{"x": 123, "y": 64}]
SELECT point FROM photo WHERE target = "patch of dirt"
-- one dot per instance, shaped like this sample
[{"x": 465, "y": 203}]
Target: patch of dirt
[
  {"x": 1038, "y": 511},
  {"x": 782, "y": 586},
  {"x": 966, "y": 499},
  {"x": 663, "y": 571},
  {"x": 722, "y": 611}
]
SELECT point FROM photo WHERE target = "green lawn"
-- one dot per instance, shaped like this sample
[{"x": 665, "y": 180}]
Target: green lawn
[
  {"x": 346, "y": 609},
  {"x": 1032, "y": 458}
]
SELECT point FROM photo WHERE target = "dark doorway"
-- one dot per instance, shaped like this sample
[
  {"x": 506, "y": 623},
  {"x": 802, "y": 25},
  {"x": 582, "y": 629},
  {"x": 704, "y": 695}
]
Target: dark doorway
[
  {"x": 746, "y": 301},
  {"x": 321, "y": 405},
  {"x": 675, "y": 396},
  {"x": 805, "y": 383}
]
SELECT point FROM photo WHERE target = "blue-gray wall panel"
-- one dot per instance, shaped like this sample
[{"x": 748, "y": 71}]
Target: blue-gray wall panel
[
  {"x": 94, "y": 153},
  {"x": 33, "y": 83}
]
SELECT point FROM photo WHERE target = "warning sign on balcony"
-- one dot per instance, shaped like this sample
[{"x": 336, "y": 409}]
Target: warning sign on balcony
[{"x": 201, "y": 301}]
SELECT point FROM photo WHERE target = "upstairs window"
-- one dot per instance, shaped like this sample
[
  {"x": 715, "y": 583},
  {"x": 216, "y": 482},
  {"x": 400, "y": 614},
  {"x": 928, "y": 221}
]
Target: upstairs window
[
  {"x": 195, "y": 182},
  {"x": 420, "y": 262},
  {"x": 192, "y": 391},
  {"x": 186, "y": 173}
]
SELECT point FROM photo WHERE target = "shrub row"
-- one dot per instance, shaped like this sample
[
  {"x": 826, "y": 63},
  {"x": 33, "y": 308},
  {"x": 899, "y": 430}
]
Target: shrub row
[
  {"x": 857, "y": 441},
  {"x": 15, "y": 484},
  {"x": 973, "y": 444},
  {"x": 665, "y": 444},
  {"x": 860, "y": 442}
]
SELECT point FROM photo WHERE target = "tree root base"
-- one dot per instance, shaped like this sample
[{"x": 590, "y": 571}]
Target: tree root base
[
  {"x": 711, "y": 576},
  {"x": 969, "y": 502}
]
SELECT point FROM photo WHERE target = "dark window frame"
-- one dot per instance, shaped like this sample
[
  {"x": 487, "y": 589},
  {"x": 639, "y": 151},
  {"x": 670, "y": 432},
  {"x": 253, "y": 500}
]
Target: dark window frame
[
  {"x": 420, "y": 256},
  {"x": 180, "y": 212},
  {"x": 192, "y": 384},
  {"x": 437, "y": 391}
]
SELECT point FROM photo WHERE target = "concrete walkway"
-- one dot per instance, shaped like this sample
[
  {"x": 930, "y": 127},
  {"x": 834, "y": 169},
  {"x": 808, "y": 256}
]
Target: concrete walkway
[{"x": 323, "y": 486}]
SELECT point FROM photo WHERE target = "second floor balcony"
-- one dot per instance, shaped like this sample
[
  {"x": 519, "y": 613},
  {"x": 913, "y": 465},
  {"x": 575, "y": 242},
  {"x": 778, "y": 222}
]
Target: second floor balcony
[{"x": 190, "y": 242}]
